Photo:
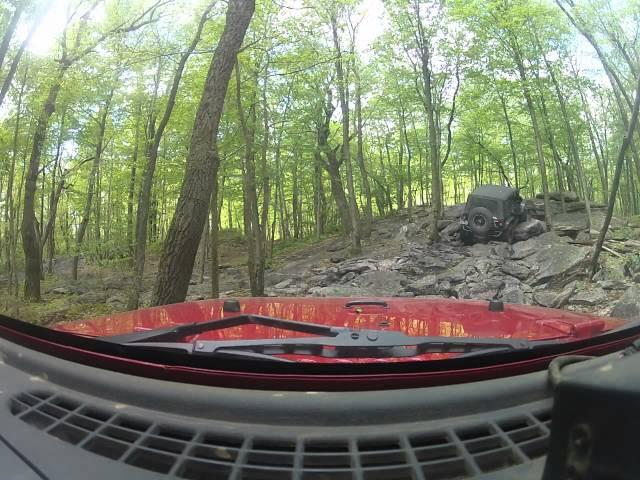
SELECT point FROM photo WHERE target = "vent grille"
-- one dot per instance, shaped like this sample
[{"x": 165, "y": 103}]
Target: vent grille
[{"x": 185, "y": 453}]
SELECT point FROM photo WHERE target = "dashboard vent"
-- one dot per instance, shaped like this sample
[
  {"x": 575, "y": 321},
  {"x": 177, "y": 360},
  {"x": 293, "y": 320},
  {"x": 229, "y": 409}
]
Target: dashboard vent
[{"x": 186, "y": 453}]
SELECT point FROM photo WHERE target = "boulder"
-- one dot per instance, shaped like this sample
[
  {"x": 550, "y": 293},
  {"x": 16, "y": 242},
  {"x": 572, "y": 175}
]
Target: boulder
[
  {"x": 116, "y": 301},
  {"x": 427, "y": 285},
  {"x": 92, "y": 297},
  {"x": 480, "y": 250},
  {"x": 450, "y": 231},
  {"x": 557, "y": 196},
  {"x": 589, "y": 297},
  {"x": 518, "y": 270},
  {"x": 556, "y": 263},
  {"x": 531, "y": 228},
  {"x": 629, "y": 305},
  {"x": 60, "y": 291},
  {"x": 338, "y": 291},
  {"x": 545, "y": 298},
  {"x": 454, "y": 211},
  {"x": 613, "y": 284},
  {"x": 385, "y": 283},
  {"x": 338, "y": 258},
  {"x": 632, "y": 265},
  {"x": 569, "y": 223}
]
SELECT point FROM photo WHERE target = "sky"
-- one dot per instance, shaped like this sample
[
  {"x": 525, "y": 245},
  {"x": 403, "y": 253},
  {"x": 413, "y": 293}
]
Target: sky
[{"x": 51, "y": 26}]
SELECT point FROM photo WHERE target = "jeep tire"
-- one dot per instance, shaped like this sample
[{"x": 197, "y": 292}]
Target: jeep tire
[
  {"x": 466, "y": 236},
  {"x": 480, "y": 221}
]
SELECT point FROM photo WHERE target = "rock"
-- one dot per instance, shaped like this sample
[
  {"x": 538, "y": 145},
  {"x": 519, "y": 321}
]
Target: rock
[
  {"x": 444, "y": 223},
  {"x": 92, "y": 297},
  {"x": 557, "y": 196},
  {"x": 569, "y": 223},
  {"x": 338, "y": 258},
  {"x": 545, "y": 298},
  {"x": 334, "y": 247},
  {"x": 338, "y": 291},
  {"x": 454, "y": 211},
  {"x": 610, "y": 269},
  {"x": 503, "y": 250},
  {"x": 193, "y": 282},
  {"x": 556, "y": 263},
  {"x": 450, "y": 231},
  {"x": 348, "y": 277},
  {"x": 431, "y": 264},
  {"x": 385, "y": 283},
  {"x": 629, "y": 305},
  {"x": 632, "y": 265},
  {"x": 480, "y": 250},
  {"x": 284, "y": 284},
  {"x": 531, "y": 228},
  {"x": 514, "y": 295},
  {"x": 358, "y": 266},
  {"x": 405, "y": 294},
  {"x": 458, "y": 273},
  {"x": 516, "y": 269},
  {"x": 613, "y": 285},
  {"x": 589, "y": 297},
  {"x": 583, "y": 238},
  {"x": 116, "y": 301},
  {"x": 426, "y": 285},
  {"x": 69, "y": 290},
  {"x": 407, "y": 231}
]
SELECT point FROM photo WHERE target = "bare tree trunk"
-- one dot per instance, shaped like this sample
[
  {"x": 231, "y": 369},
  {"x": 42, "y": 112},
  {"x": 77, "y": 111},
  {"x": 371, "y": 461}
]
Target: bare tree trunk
[
  {"x": 536, "y": 134},
  {"x": 214, "y": 268},
  {"x": 153, "y": 147},
  {"x": 626, "y": 141},
  {"x": 512, "y": 146},
  {"x": 91, "y": 183},
  {"x": 9, "y": 208},
  {"x": 436, "y": 174},
  {"x": 368, "y": 211},
  {"x": 179, "y": 250},
  {"x": 573, "y": 145},
  {"x": 30, "y": 236},
  {"x": 346, "y": 151}
]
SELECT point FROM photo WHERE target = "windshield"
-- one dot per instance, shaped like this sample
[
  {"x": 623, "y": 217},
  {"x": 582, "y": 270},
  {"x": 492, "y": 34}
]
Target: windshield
[{"x": 159, "y": 157}]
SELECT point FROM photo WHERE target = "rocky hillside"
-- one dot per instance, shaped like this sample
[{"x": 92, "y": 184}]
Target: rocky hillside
[{"x": 542, "y": 268}]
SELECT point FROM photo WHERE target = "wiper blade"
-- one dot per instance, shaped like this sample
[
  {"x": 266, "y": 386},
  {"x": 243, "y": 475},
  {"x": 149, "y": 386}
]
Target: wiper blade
[
  {"x": 345, "y": 344},
  {"x": 188, "y": 329}
]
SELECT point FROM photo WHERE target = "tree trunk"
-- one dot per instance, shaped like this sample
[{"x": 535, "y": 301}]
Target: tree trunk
[
  {"x": 9, "y": 208},
  {"x": 626, "y": 141},
  {"x": 91, "y": 183},
  {"x": 436, "y": 175},
  {"x": 153, "y": 147},
  {"x": 345, "y": 149},
  {"x": 366, "y": 187},
  {"x": 30, "y": 237},
  {"x": 180, "y": 246},
  {"x": 573, "y": 145},
  {"x": 214, "y": 268},
  {"x": 536, "y": 134}
]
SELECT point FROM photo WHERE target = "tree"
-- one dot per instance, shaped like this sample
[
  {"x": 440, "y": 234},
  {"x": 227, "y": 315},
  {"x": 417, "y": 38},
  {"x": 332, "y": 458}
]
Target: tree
[{"x": 181, "y": 244}]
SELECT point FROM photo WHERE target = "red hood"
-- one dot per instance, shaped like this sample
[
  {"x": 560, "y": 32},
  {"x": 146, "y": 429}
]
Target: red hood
[{"x": 412, "y": 316}]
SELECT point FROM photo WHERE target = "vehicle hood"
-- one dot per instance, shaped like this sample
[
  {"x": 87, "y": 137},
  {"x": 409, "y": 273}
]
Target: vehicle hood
[{"x": 412, "y": 316}]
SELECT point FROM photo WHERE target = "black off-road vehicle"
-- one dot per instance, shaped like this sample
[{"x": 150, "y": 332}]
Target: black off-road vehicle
[{"x": 492, "y": 212}]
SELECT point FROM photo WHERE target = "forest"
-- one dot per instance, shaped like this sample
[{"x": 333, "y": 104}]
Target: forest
[{"x": 151, "y": 128}]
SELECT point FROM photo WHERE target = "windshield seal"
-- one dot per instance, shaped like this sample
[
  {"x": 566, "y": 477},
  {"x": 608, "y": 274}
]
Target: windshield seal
[{"x": 71, "y": 346}]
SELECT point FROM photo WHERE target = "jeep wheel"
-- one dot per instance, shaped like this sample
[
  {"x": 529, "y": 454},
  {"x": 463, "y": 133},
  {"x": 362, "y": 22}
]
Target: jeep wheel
[
  {"x": 480, "y": 221},
  {"x": 466, "y": 236}
]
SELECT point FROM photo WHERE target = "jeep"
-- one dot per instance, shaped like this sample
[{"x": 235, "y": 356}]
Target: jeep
[{"x": 492, "y": 212}]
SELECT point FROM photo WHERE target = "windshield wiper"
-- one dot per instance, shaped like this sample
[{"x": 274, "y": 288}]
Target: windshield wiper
[{"x": 328, "y": 342}]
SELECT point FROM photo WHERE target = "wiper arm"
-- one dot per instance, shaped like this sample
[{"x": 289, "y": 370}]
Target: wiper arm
[
  {"x": 180, "y": 331},
  {"x": 346, "y": 343}
]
